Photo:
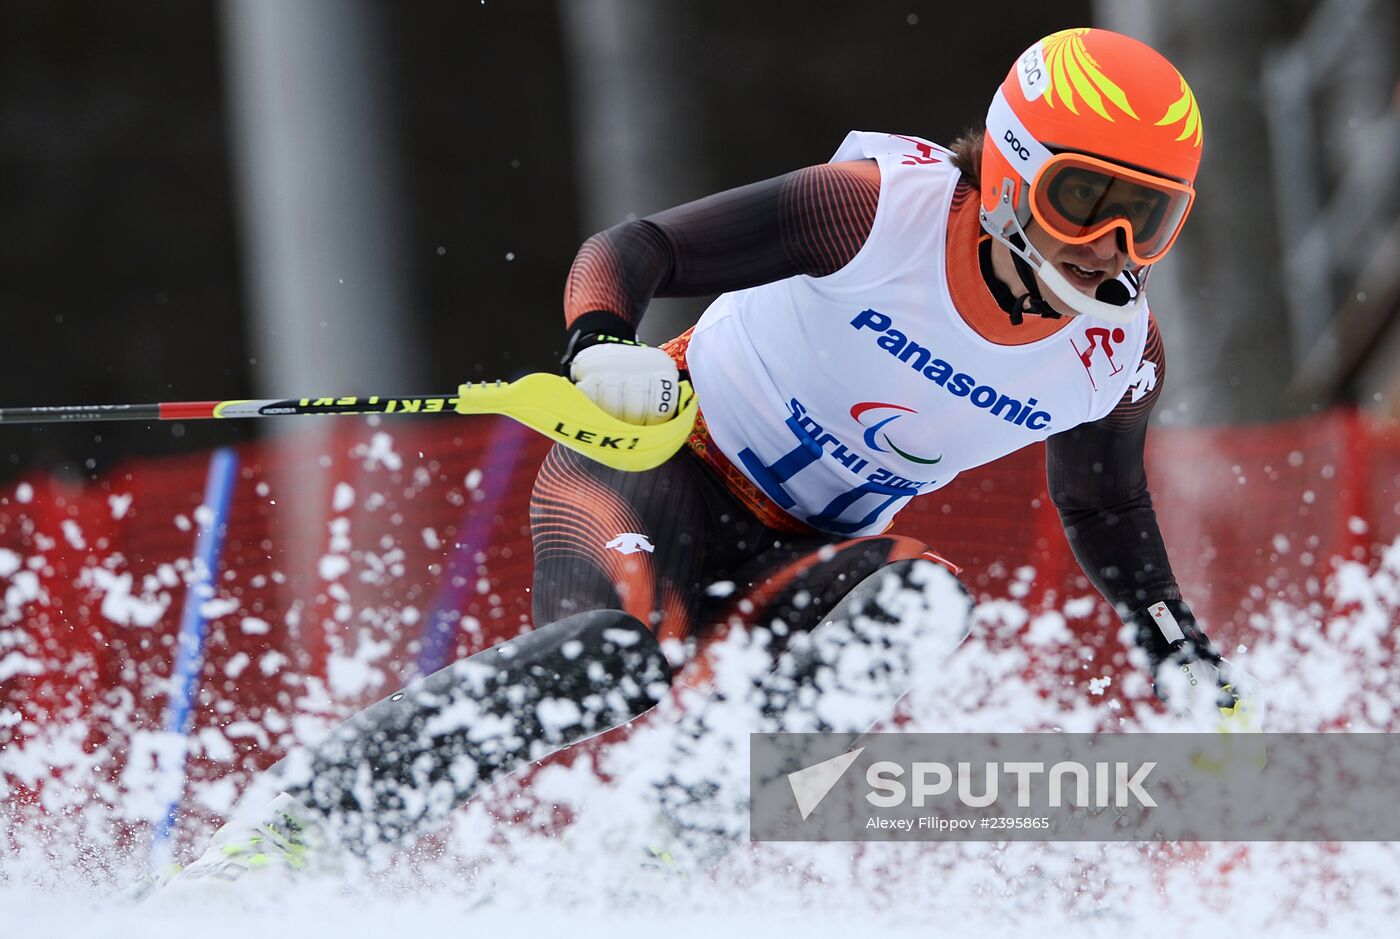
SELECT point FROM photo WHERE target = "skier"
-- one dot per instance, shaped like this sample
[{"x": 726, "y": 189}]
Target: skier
[{"x": 886, "y": 321}]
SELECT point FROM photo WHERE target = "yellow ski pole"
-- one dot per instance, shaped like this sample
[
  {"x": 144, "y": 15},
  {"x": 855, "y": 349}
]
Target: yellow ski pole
[{"x": 549, "y": 404}]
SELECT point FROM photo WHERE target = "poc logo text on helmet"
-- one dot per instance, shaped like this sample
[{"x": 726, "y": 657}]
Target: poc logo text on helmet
[
  {"x": 1032, "y": 73},
  {"x": 1016, "y": 146}
]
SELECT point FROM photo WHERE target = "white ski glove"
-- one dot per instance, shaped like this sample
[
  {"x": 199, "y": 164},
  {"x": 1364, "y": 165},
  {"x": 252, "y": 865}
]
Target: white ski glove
[{"x": 631, "y": 381}]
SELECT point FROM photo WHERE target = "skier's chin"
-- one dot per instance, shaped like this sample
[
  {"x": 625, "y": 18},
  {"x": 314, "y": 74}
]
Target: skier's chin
[{"x": 1058, "y": 303}]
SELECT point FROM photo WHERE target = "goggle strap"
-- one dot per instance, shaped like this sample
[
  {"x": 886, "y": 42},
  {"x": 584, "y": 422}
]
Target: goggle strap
[{"x": 1013, "y": 141}]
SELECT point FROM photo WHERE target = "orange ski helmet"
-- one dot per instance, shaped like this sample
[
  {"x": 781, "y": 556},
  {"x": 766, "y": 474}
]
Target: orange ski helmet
[{"x": 1093, "y": 131}]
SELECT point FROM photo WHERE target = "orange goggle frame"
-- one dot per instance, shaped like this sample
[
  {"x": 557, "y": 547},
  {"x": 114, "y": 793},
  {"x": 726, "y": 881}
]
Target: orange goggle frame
[{"x": 1077, "y": 198}]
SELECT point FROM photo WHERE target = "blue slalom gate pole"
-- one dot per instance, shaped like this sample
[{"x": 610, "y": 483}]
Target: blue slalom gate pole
[
  {"x": 458, "y": 580},
  {"x": 189, "y": 655}
]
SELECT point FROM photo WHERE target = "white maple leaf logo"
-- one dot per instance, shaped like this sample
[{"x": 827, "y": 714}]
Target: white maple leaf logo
[
  {"x": 630, "y": 543},
  {"x": 1144, "y": 381}
]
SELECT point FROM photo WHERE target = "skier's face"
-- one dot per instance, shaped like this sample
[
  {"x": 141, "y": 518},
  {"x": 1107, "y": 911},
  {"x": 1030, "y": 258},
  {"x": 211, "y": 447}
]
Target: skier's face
[{"x": 1085, "y": 266}]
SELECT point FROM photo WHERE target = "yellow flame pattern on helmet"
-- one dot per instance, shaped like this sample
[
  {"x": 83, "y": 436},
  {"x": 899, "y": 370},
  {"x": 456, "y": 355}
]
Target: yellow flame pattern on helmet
[
  {"x": 1185, "y": 109},
  {"x": 1072, "y": 69}
]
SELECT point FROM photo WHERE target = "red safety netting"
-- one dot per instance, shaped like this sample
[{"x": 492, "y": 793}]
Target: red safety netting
[{"x": 372, "y": 552}]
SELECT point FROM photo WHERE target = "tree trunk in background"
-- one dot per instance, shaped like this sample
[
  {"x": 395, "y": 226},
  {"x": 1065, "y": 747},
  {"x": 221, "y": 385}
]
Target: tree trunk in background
[
  {"x": 636, "y": 123},
  {"x": 1218, "y": 296},
  {"x": 322, "y": 234}
]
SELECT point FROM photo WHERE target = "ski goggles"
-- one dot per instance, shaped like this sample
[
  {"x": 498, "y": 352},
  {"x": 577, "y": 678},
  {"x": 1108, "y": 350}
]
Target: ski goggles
[{"x": 1077, "y": 198}]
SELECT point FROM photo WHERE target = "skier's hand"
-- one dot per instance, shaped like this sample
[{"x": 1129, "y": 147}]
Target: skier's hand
[
  {"x": 630, "y": 380},
  {"x": 1188, "y": 672}
]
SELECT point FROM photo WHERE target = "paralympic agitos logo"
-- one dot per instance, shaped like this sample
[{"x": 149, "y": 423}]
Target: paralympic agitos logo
[{"x": 876, "y": 431}]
